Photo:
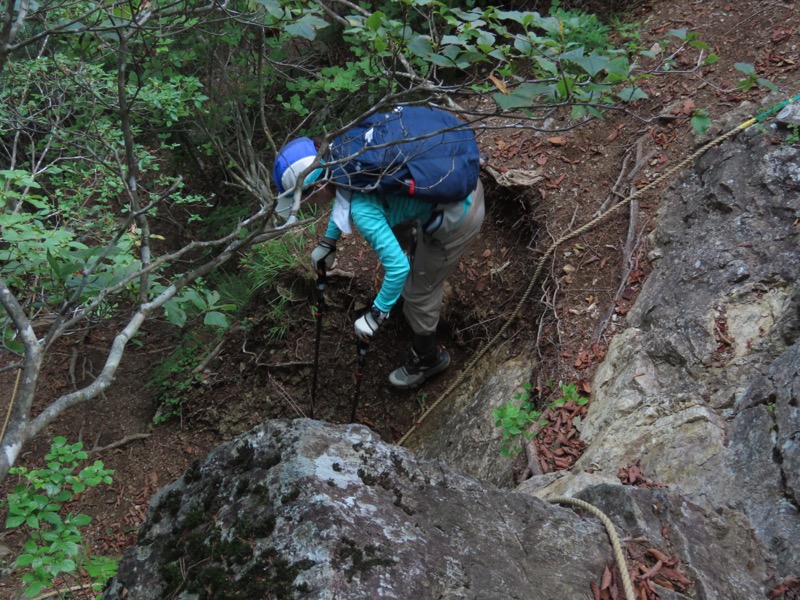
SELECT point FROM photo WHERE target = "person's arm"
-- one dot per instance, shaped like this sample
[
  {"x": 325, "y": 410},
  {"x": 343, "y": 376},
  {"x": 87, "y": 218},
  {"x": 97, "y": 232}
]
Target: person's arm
[{"x": 368, "y": 215}]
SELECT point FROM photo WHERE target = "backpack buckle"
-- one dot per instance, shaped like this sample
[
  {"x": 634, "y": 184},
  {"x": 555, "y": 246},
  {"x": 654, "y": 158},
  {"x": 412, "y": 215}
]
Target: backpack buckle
[{"x": 433, "y": 223}]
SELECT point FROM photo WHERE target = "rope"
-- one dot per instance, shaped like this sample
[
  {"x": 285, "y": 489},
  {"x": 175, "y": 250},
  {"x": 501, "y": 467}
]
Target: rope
[{"x": 619, "y": 557}]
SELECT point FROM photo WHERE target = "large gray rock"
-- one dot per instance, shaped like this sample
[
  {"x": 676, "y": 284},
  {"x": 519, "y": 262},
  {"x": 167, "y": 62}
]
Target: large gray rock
[
  {"x": 703, "y": 389},
  {"x": 304, "y": 509}
]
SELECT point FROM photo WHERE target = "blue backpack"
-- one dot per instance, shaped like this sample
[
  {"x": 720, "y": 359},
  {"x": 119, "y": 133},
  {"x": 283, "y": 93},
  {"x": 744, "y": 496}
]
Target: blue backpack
[{"x": 438, "y": 162}]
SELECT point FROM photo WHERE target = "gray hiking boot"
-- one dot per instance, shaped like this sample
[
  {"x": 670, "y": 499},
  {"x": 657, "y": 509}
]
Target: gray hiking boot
[{"x": 418, "y": 369}]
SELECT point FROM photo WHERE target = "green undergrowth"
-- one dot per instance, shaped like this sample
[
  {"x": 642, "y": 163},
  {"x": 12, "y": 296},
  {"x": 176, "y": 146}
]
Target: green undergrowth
[
  {"x": 257, "y": 295},
  {"x": 55, "y": 558},
  {"x": 518, "y": 417}
]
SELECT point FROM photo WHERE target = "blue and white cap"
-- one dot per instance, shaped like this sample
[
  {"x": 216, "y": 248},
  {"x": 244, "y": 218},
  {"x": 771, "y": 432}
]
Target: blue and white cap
[{"x": 294, "y": 158}]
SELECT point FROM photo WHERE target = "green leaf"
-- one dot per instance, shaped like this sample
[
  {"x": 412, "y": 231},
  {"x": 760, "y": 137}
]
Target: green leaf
[
  {"x": 80, "y": 520},
  {"x": 71, "y": 548},
  {"x": 50, "y": 517},
  {"x": 578, "y": 112},
  {"x": 216, "y": 319},
  {"x": 618, "y": 69},
  {"x": 376, "y": 20},
  {"x": 700, "y": 123},
  {"x": 592, "y": 64},
  {"x": 745, "y": 68},
  {"x": 66, "y": 565},
  {"x": 175, "y": 314},
  {"x": 547, "y": 65},
  {"x": 440, "y": 60},
  {"x": 767, "y": 84},
  {"x": 23, "y": 560},
  {"x": 678, "y": 33},
  {"x": 34, "y": 589},
  {"x": 631, "y": 93},
  {"x": 523, "y": 95},
  {"x": 62, "y": 497},
  {"x": 273, "y": 8},
  {"x": 420, "y": 46},
  {"x": 306, "y": 27},
  {"x": 14, "y": 521},
  {"x": 212, "y": 297},
  {"x": 195, "y": 298}
]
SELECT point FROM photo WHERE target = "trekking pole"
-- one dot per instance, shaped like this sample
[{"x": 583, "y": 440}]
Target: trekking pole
[
  {"x": 361, "y": 348},
  {"x": 322, "y": 277}
]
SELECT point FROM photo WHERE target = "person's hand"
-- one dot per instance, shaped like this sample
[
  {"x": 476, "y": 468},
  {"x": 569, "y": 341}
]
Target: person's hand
[
  {"x": 368, "y": 323},
  {"x": 323, "y": 254}
]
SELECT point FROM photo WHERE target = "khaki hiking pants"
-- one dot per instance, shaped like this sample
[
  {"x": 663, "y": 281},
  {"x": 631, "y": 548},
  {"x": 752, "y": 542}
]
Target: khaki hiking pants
[{"x": 435, "y": 257}]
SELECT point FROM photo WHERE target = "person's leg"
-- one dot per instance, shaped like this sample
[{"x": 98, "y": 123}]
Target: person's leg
[{"x": 434, "y": 261}]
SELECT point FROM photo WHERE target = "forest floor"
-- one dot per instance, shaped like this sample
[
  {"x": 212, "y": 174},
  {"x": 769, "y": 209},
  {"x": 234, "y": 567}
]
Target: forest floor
[{"x": 576, "y": 308}]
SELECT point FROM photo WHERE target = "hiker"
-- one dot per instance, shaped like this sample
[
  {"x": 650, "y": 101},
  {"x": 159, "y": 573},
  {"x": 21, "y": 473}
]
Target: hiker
[{"x": 433, "y": 235}]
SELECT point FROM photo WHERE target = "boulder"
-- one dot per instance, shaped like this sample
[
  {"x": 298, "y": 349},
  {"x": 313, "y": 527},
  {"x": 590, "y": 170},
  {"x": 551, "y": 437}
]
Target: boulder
[
  {"x": 702, "y": 389},
  {"x": 304, "y": 509}
]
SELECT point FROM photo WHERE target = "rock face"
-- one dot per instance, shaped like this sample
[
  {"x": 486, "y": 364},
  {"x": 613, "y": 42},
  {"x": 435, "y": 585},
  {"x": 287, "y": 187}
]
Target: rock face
[
  {"x": 304, "y": 509},
  {"x": 463, "y": 433},
  {"x": 703, "y": 388}
]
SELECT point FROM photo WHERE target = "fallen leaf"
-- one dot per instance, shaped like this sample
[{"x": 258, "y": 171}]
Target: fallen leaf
[
  {"x": 499, "y": 84},
  {"x": 557, "y": 140},
  {"x": 676, "y": 576},
  {"x": 606, "y": 581},
  {"x": 655, "y": 569}
]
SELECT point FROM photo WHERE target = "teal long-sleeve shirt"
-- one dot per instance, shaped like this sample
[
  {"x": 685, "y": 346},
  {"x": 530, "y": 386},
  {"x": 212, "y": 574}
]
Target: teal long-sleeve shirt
[{"x": 374, "y": 217}]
